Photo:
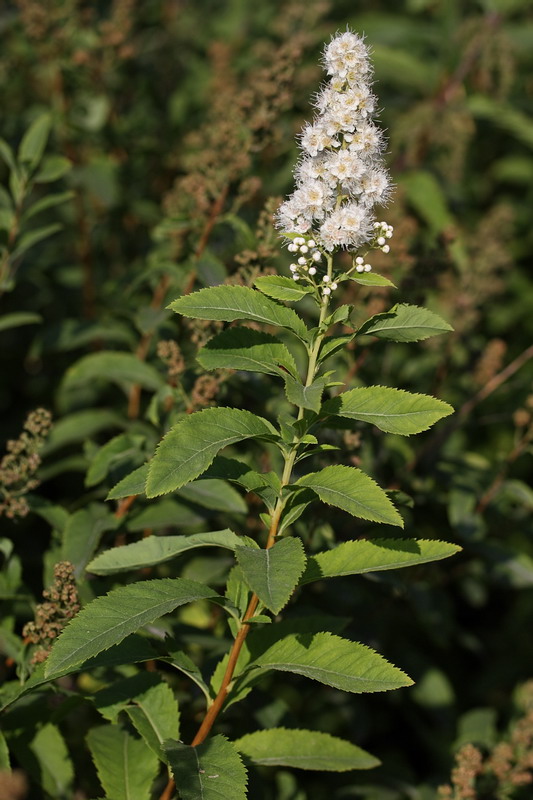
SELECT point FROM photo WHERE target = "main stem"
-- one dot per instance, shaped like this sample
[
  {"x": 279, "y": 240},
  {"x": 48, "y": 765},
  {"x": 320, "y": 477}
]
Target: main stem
[{"x": 216, "y": 706}]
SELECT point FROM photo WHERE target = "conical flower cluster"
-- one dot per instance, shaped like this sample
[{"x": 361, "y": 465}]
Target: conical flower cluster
[{"x": 340, "y": 175}]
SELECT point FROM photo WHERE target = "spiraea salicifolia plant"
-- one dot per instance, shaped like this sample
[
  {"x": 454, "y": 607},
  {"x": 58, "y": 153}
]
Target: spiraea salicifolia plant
[{"x": 340, "y": 179}]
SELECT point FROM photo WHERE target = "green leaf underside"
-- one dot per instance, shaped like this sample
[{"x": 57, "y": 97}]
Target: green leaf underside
[
  {"x": 304, "y": 396},
  {"x": 334, "y": 661},
  {"x": 189, "y": 447},
  {"x": 132, "y": 484},
  {"x": 352, "y": 491},
  {"x": 155, "y": 716},
  {"x": 405, "y": 323},
  {"x": 391, "y": 410},
  {"x": 302, "y": 749},
  {"x": 110, "y": 618},
  {"x": 115, "y": 367},
  {"x": 211, "y": 771},
  {"x": 362, "y": 555},
  {"x": 281, "y": 288},
  {"x": 248, "y": 350},
  {"x": 126, "y": 766},
  {"x": 229, "y": 303},
  {"x": 273, "y": 574},
  {"x": 157, "y": 549}
]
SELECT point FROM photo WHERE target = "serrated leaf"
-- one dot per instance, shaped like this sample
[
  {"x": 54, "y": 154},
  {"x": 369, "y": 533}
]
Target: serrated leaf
[
  {"x": 229, "y": 303},
  {"x": 334, "y": 661},
  {"x": 114, "y": 698},
  {"x": 157, "y": 549},
  {"x": 305, "y": 396},
  {"x": 265, "y": 484},
  {"x": 189, "y": 447},
  {"x": 110, "y": 618},
  {"x": 281, "y": 288},
  {"x": 249, "y": 350},
  {"x": 211, "y": 771},
  {"x": 405, "y": 323},
  {"x": 302, "y": 749},
  {"x": 332, "y": 344},
  {"x": 273, "y": 574},
  {"x": 34, "y": 140},
  {"x": 370, "y": 279},
  {"x": 115, "y": 367},
  {"x": 126, "y": 766},
  {"x": 352, "y": 491},
  {"x": 358, "y": 557},
  {"x": 132, "y": 484},
  {"x": 214, "y": 494},
  {"x": 82, "y": 533},
  {"x": 52, "y": 767},
  {"x": 391, "y": 410},
  {"x": 155, "y": 716},
  {"x": 116, "y": 450},
  {"x": 18, "y": 318}
]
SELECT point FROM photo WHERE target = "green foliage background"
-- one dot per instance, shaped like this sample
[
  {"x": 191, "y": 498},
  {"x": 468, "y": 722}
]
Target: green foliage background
[{"x": 178, "y": 120}]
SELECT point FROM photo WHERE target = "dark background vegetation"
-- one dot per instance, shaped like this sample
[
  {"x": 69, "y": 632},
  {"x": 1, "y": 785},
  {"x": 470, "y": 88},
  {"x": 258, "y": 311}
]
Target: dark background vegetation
[{"x": 179, "y": 121}]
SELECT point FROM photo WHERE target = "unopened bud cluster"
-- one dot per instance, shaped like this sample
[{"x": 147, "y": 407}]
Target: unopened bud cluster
[{"x": 340, "y": 175}]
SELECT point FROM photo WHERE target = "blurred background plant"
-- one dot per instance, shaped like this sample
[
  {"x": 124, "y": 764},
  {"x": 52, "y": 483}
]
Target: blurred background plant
[{"x": 144, "y": 148}]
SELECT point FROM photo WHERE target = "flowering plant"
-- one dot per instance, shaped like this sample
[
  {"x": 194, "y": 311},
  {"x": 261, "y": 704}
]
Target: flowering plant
[{"x": 340, "y": 179}]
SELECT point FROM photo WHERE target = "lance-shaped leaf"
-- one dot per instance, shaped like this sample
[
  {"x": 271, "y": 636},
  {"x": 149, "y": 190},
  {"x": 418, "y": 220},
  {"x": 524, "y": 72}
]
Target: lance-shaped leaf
[
  {"x": 228, "y": 303},
  {"x": 334, "y": 661},
  {"x": 280, "y": 747},
  {"x": 281, "y": 288},
  {"x": 405, "y": 323},
  {"x": 110, "y": 618},
  {"x": 155, "y": 716},
  {"x": 305, "y": 396},
  {"x": 114, "y": 367},
  {"x": 370, "y": 279},
  {"x": 126, "y": 766},
  {"x": 355, "y": 558},
  {"x": 352, "y": 491},
  {"x": 273, "y": 574},
  {"x": 190, "y": 446},
  {"x": 211, "y": 771},
  {"x": 132, "y": 484},
  {"x": 249, "y": 350},
  {"x": 391, "y": 410},
  {"x": 157, "y": 549}
]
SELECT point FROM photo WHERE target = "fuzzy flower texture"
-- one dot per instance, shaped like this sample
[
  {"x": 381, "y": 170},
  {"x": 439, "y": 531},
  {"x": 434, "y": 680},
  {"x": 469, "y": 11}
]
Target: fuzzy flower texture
[{"x": 340, "y": 176}]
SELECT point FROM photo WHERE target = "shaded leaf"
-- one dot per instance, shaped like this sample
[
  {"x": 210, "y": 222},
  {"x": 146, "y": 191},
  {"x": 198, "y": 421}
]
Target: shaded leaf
[
  {"x": 34, "y": 140},
  {"x": 249, "y": 350},
  {"x": 132, "y": 484},
  {"x": 352, "y": 491},
  {"x": 18, "y": 318},
  {"x": 211, "y": 771},
  {"x": 305, "y": 396},
  {"x": 281, "y": 288},
  {"x": 52, "y": 168},
  {"x": 273, "y": 574},
  {"x": 126, "y": 766},
  {"x": 115, "y": 367},
  {"x": 312, "y": 750},
  {"x": 214, "y": 494}
]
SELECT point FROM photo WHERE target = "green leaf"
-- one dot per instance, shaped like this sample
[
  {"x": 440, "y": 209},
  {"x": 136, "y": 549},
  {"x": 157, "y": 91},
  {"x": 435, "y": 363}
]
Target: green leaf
[
  {"x": 301, "y": 749},
  {"x": 50, "y": 201},
  {"x": 265, "y": 484},
  {"x": 32, "y": 238},
  {"x": 214, "y": 494},
  {"x": 79, "y": 426},
  {"x": 126, "y": 766},
  {"x": 334, "y": 661},
  {"x": 405, "y": 323},
  {"x": 358, "y": 557},
  {"x": 391, "y": 410},
  {"x": 52, "y": 168},
  {"x": 4, "y": 754},
  {"x": 123, "y": 447},
  {"x": 352, "y": 491},
  {"x": 34, "y": 140},
  {"x": 246, "y": 349},
  {"x": 211, "y": 771},
  {"x": 370, "y": 279},
  {"x": 82, "y": 534},
  {"x": 333, "y": 344},
  {"x": 116, "y": 367},
  {"x": 114, "y": 698},
  {"x": 18, "y": 318},
  {"x": 427, "y": 197},
  {"x": 281, "y": 288},
  {"x": 55, "y": 772},
  {"x": 132, "y": 484},
  {"x": 7, "y": 155},
  {"x": 189, "y": 447},
  {"x": 228, "y": 303},
  {"x": 110, "y": 618},
  {"x": 157, "y": 549},
  {"x": 165, "y": 513},
  {"x": 273, "y": 574},
  {"x": 304, "y": 396}
]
